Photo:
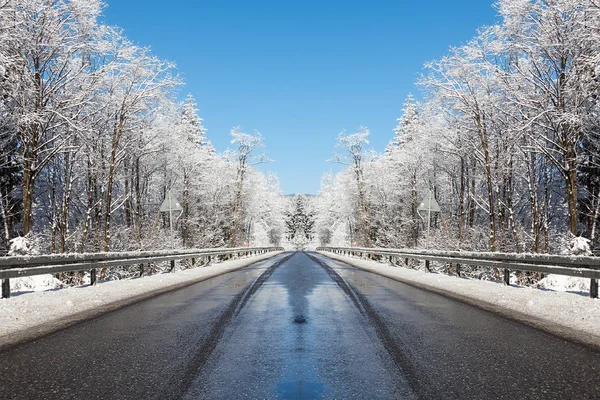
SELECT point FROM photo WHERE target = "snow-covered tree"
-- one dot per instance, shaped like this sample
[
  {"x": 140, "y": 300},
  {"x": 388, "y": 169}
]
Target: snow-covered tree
[
  {"x": 407, "y": 128},
  {"x": 507, "y": 138},
  {"x": 355, "y": 156},
  {"x": 244, "y": 158},
  {"x": 92, "y": 137},
  {"x": 300, "y": 222}
]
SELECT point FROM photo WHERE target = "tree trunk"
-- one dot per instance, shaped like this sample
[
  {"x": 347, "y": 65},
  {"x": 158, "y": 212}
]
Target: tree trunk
[
  {"x": 511, "y": 211},
  {"x": 4, "y": 216},
  {"x": 545, "y": 214},
  {"x": 30, "y": 141},
  {"x": 90, "y": 205},
  {"x": 461, "y": 221},
  {"x": 128, "y": 219},
  {"x": 414, "y": 233},
  {"x": 364, "y": 215},
  {"x": 595, "y": 220},
  {"x": 572, "y": 197},
  {"x": 112, "y": 168},
  {"x": 27, "y": 198},
  {"x": 237, "y": 202},
  {"x": 490, "y": 185},
  {"x": 472, "y": 200},
  {"x": 186, "y": 208},
  {"x": 138, "y": 201},
  {"x": 66, "y": 201},
  {"x": 533, "y": 199},
  {"x": 54, "y": 213}
]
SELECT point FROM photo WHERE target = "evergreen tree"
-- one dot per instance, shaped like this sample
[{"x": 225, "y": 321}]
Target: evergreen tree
[
  {"x": 192, "y": 124},
  {"x": 300, "y": 222},
  {"x": 408, "y": 124}
]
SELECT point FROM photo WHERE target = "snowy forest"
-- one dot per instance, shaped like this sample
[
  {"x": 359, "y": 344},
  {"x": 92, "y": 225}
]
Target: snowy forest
[
  {"x": 507, "y": 139},
  {"x": 92, "y": 138}
]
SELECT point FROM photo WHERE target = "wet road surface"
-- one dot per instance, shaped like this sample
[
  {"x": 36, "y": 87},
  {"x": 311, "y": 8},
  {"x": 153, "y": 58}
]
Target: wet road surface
[{"x": 300, "y": 326}]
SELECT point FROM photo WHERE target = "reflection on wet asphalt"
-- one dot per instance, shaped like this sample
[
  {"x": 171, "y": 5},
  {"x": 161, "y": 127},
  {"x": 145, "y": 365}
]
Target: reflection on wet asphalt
[
  {"x": 334, "y": 353},
  {"x": 299, "y": 326}
]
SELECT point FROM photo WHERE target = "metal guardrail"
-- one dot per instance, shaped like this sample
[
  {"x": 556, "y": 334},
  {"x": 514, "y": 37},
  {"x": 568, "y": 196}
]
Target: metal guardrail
[
  {"x": 19, "y": 266},
  {"x": 579, "y": 266}
]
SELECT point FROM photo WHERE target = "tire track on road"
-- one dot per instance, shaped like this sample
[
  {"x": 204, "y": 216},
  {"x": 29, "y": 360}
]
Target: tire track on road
[
  {"x": 419, "y": 384},
  {"x": 207, "y": 344}
]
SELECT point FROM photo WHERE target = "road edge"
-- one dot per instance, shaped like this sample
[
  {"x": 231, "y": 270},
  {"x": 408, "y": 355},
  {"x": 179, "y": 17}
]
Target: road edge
[
  {"x": 35, "y": 332},
  {"x": 548, "y": 326}
]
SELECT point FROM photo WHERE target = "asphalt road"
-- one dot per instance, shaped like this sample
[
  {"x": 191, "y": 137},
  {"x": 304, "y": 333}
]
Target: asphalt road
[{"x": 300, "y": 326}]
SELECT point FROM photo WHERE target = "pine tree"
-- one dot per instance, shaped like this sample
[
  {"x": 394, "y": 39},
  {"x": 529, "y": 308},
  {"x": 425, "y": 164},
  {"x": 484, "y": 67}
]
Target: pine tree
[
  {"x": 300, "y": 222},
  {"x": 406, "y": 129},
  {"x": 192, "y": 124}
]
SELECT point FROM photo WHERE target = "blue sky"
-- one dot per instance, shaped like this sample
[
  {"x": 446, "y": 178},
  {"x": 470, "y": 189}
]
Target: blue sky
[{"x": 300, "y": 72}]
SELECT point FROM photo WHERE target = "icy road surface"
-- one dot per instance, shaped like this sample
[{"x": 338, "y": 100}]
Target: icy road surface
[{"x": 300, "y": 326}]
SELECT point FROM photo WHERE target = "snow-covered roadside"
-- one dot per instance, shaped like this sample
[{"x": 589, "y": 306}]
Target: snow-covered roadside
[
  {"x": 29, "y": 315},
  {"x": 569, "y": 315}
]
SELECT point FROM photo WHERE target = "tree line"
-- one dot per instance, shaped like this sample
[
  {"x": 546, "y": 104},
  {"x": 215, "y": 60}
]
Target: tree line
[
  {"x": 507, "y": 138},
  {"x": 92, "y": 138}
]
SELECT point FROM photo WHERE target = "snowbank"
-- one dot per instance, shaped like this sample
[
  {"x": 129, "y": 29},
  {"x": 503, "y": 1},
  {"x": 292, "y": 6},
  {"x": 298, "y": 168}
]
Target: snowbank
[
  {"x": 565, "y": 283},
  {"x": 571, "y": 315},
  {"x": 38, "y": 283},
  {"x": 28, "y": 315}
]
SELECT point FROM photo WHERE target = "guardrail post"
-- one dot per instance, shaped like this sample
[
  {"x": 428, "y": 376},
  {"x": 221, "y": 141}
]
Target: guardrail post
[
  {"x": 427, "y": 266},
  {"x": 593, "y": 288},
  {"x": 457, "y": 269},
  {"x": 5, "y": 288},
  {"x": 93, "y": 277},
  {"x": 506, "y": 279}
]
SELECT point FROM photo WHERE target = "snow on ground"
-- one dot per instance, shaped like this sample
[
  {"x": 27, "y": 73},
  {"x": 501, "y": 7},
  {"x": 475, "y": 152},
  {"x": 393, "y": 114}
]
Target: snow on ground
[
  {"x": 38, "y": 283},
  {"x": 30, "y": 314},
  {"x": 564, "y": 283},
  {"x": 568, "y": 314}
]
